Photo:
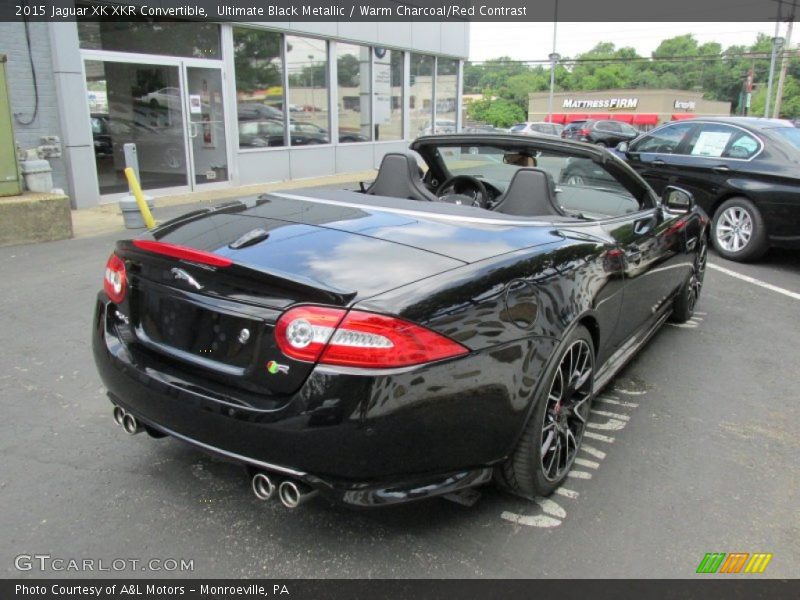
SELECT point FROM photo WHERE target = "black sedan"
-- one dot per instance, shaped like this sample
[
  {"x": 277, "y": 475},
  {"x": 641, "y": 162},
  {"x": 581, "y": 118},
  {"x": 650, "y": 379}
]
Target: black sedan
[
  {"x": 745, "y": 172},
  {"x": 420, "y": 337}
]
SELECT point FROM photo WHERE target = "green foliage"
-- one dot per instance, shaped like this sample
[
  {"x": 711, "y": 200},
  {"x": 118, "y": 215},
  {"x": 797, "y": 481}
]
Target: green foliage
[
  {"x": 683, "y": 64},
  {"x": 498, "y": 112}
]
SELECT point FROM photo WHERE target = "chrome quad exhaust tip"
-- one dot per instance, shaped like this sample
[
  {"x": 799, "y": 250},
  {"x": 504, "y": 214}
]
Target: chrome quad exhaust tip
[
  {"x": 294, "y": 493},
  {"x": 263, "y": 486},
  {"x": 127, "y": 421}
]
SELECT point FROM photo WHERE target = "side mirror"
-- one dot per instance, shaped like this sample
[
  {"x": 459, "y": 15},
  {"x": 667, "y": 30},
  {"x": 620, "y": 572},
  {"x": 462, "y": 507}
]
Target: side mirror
[
  {"x": 677, "y": 200},
  {"x": 623, "y": 147}
]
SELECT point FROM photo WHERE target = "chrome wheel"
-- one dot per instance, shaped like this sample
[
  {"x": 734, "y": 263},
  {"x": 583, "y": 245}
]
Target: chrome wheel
[
  {"x": 734, "y": 229},
  {"x": 567, "y": 411}
]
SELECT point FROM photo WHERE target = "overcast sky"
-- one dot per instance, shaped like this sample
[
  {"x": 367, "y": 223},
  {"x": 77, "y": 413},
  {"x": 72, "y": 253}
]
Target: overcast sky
[{"x": 532, "y": 41}]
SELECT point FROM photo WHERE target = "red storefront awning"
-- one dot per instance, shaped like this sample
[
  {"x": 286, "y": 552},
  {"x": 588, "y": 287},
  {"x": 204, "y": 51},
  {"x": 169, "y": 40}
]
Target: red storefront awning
[
  {"x": 600, "y": 116},
  {"x": 624, "y": 117},
  {"x": 645, "y": 119},
  {"x": 557, "y": 118},
  {"x": 571, "y": 118},
  {"x": 683, "y": 116}
]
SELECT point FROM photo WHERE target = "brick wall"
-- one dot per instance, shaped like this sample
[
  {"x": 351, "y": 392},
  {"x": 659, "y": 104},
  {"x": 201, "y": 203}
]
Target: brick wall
[{"x": 20, "y": 83}]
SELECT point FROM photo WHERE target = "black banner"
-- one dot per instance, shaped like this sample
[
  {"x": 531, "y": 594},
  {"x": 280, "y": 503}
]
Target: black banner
[
  {"x": 391, "y": 10},
  {"x": 322, "y": 589}
]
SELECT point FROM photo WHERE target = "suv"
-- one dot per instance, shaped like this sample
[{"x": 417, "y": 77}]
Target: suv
[
  {"x": 603, "y": 133},
  {"x": 536, "y": 127}
]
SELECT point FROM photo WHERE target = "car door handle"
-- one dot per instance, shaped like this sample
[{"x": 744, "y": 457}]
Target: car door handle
[
  {"x": 721, "y": 168},
  {"x": 644, "y": 226},
  {"x": 658, "y": 162}
]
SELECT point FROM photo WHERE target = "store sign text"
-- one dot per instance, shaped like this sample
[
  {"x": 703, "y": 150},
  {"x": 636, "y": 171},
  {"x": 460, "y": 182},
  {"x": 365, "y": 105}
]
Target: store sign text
[{"x": 602, "y": 103}]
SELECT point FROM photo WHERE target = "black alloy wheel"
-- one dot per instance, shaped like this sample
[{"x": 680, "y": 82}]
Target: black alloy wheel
[{"x": 550, "y": 442}]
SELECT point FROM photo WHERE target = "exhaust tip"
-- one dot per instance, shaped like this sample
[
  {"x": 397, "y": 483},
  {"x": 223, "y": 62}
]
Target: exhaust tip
[
  {"x": 119, "y": 416},
  {"x": 289, "y": 494},
  {"x": 263, "y": 486},
  {"x": 130, "y": 424}
]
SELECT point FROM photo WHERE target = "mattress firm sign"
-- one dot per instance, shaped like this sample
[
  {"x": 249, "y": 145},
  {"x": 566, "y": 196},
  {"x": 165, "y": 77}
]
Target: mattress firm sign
[{"x": 610, "y": 103}]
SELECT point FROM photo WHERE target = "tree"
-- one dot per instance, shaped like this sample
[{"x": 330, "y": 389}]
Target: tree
[{"x": 498, "y": 112}]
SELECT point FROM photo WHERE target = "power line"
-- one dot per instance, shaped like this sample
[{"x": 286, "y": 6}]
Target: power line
[{"x": 638, "y": 59}]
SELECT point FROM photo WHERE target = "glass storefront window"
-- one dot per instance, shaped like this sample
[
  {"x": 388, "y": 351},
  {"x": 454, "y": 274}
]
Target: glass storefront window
[
  {"x": 189, "y": 39},
  {"x": 421, "y": 94},
  {"x": 354, "y": 99},
  {"x": 140, "y": 104},
  {"x": 259, "y": 87},
  {"x": 388, "y": 77},
  {"x": 446, "y": 95},
  {"x": 307, "y": 100}
]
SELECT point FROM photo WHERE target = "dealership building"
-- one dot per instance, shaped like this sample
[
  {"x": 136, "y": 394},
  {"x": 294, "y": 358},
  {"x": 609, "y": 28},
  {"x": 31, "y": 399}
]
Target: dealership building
[
  {"x": 215, "y": 105},
  {"x": 642, "y": 108}
]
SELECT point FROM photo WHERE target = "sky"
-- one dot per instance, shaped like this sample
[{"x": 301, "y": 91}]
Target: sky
[{"x": 534, "y": 41}]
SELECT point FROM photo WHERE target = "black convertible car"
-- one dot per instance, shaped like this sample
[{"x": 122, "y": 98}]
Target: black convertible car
[{"x": 417, "y": 337}]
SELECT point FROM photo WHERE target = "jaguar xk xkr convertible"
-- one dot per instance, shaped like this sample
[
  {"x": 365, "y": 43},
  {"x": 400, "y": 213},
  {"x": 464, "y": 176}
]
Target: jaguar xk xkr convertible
[{"x": 442, "y": 327}]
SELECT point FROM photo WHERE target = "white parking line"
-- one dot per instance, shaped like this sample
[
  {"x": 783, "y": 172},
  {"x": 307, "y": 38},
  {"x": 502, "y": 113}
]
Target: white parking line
[
  {"x": 551, "y": 508},
  {"x": 589, "y": 464},
  {"x": 531, "y": 521},
  {"x": 613, "y": 415},
  {"x": 754, "y": 281},
  {"x": 599, "y": 437},
  {"x": 610, "y": 425},
  {"x": 599, "y": 454},
  {"x": 579, "y": 474},
  {"x": 617, "y": 402},
  {"x": 567, "y": 493}
]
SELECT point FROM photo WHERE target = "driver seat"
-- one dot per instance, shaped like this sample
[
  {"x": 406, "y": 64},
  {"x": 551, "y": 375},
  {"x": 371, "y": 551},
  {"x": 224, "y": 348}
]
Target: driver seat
[
  {"x": 530, "y": 193},
  {"x": 399, "y": 177}
]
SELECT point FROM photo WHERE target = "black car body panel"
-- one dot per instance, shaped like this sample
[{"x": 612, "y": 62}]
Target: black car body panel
[
  {"x": 769, "y": 178},
  {"x": 509, "y": 289}
]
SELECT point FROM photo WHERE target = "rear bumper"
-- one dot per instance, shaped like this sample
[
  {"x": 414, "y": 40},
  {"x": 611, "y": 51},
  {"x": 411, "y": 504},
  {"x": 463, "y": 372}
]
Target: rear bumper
[{"x": 360, "y": 439}]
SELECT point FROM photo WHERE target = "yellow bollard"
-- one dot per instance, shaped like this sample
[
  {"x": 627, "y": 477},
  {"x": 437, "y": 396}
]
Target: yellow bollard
[{"x": 136, "y": 190}]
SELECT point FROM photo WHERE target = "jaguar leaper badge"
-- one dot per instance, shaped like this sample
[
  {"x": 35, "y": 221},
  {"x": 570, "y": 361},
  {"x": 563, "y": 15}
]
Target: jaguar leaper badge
[{"x": 274, "y": 368}]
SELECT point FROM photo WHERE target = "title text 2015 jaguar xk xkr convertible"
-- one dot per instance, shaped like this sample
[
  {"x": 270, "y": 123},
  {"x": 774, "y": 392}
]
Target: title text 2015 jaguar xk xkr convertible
[{"x": 425, "y": 335}]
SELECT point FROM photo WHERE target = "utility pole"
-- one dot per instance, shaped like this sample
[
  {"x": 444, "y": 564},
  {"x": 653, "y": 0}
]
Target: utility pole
[
  {"x": 775, "y": 46},
  {"x": 554, "y": 58},
  {"x": 784, "y": 65}
]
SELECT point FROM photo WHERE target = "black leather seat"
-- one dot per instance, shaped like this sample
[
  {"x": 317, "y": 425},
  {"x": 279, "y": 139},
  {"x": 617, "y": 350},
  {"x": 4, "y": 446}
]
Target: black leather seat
[
  {"x": 399, "y": 177},
  {"x": 530, "y": 193}
]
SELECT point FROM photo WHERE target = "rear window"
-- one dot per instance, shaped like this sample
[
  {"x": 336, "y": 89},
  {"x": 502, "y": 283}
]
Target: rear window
[{"x": 790, "y": 134}]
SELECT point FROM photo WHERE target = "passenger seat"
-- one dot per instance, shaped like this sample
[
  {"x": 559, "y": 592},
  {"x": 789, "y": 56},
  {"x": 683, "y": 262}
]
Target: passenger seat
[{"x": 530, "y": 193}]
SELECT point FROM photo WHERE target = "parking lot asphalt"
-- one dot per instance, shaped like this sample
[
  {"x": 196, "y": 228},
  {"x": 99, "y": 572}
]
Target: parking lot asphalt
[{"x": 693, "y": 449}]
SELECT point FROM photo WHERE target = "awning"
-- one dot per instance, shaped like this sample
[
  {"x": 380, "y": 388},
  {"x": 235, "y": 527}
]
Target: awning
[
  {"x": 645, "y": 119},
  {"x": 600, "y": 116},
  {"x": 624, "y": 117},
  {"x": 683, "y": 116},
  {"x": 571, "y": 118},
  {"x": 557, "y": 118}
]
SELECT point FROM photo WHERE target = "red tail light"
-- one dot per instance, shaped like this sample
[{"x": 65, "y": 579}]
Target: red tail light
[
  {"x": 583, "y": 133},
  {"x": 183, "y": 253},
  {"x": 115, "y": 281},
  {"x": 334, "y": 336}
]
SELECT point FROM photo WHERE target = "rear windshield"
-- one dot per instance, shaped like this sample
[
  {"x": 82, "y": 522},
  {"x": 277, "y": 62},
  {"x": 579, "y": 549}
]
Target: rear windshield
[{"x": 790, "y": 134}]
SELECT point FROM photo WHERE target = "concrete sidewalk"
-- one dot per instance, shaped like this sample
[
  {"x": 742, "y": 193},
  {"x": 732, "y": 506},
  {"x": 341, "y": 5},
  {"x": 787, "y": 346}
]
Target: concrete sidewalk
[{"x": 107, "y": 218}]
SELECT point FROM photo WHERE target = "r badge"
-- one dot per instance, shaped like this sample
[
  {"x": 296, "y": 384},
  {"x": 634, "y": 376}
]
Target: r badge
[{"x": 273, "y": 368}]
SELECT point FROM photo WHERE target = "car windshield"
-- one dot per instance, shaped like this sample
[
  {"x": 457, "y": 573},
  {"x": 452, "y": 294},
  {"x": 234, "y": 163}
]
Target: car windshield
[
  {"x": 584, "y": 188},
  {"x": 790, "y": 134}
]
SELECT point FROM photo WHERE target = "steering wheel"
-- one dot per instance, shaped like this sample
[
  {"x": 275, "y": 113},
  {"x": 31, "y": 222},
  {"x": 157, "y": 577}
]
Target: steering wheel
[{"x": 479, "y": 197}]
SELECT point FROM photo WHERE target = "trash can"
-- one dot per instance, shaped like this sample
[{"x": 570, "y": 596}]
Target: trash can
[
  {"x": 38, "y": 175},
  {"x": 131, "y": 213}
]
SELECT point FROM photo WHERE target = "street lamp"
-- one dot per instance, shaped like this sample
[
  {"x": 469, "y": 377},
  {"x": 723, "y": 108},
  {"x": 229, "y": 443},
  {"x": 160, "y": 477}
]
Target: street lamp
[{"x": 554, "y": 58}]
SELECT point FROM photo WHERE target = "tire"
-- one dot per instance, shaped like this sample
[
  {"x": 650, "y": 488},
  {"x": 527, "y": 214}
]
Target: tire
[
  {"x": 686, "y": 300},
  {"x": 602, "y": 144},
  {"x": 529, "y": 471},
  {"x": 738, "y": 230}
]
